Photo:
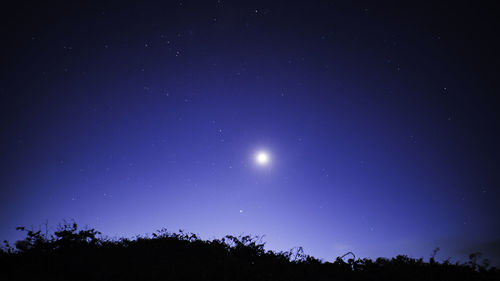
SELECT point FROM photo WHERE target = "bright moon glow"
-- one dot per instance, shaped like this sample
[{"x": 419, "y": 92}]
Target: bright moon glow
[{"x": 262, "y": 158}]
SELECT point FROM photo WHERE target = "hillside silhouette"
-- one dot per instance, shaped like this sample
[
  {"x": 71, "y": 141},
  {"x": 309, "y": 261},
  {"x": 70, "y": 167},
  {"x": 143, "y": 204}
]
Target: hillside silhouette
[{"x": 70, "y": 253}]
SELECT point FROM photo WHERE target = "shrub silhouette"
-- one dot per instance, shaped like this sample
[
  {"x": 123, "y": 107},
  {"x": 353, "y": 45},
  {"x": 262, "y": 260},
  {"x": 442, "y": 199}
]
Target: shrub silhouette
[{"x": 75, "y": 254}]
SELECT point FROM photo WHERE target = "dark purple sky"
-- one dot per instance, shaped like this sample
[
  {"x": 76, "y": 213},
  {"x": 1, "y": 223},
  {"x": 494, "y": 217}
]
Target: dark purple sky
[{"x": 381, "y": 121}]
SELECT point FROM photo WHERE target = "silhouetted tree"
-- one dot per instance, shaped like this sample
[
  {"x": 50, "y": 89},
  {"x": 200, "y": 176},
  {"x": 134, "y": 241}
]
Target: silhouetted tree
[{"x": 71, "y": 253}]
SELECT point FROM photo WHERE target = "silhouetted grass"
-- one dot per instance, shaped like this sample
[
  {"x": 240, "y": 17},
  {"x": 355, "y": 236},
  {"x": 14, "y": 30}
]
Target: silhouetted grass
[{"x": 75, "y": 254}]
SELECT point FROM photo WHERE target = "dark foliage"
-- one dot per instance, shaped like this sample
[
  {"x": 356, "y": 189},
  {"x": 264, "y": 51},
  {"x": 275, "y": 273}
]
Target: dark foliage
[{"x": 73, "y": 254}]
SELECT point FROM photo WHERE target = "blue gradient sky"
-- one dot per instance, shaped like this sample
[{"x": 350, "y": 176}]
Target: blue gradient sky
[{"x": 381, "y": 121}]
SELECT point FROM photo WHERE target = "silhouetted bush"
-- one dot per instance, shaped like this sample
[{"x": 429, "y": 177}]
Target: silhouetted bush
[{"x": 74, "y": 254}]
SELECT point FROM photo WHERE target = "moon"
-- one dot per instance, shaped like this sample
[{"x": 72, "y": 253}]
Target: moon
[{"x": 262, "y": 158}]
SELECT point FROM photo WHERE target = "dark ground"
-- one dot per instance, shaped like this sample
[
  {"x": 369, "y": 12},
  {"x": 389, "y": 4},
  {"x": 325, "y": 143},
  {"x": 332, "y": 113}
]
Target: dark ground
[{"x": 74, "y": 254}]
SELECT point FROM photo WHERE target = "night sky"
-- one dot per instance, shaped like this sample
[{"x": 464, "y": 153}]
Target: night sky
[{"x": 377, "y": 122}]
